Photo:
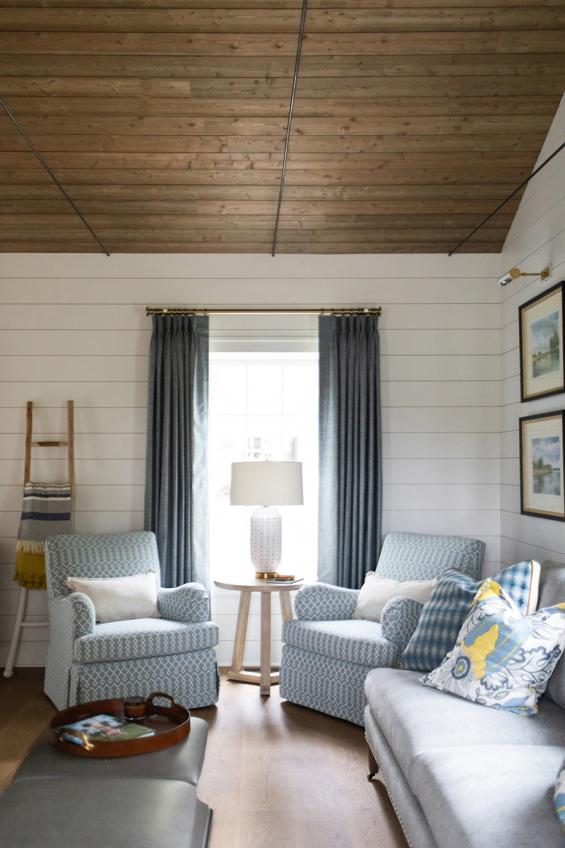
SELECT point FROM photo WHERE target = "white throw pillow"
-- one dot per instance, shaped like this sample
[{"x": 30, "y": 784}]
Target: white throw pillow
[
  {"x": 119, "y": 598},
  {"x": 376, "y": 591}
]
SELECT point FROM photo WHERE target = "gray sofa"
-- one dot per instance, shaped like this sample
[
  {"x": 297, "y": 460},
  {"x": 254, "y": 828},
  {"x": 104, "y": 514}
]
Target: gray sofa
[
  {"x": 461, "y": 775},
  {"x": 57, "y": 800}
]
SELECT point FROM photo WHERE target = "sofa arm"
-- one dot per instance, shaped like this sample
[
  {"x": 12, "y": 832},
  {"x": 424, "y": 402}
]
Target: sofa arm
[
  {"x": 188, "y": 602},
  {"x": 399, "y": 619},
  {"x": 323, "y": 602}
]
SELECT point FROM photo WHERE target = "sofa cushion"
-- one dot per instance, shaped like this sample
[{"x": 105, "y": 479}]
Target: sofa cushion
[
  {"x": 353, "y": 641},
  {"x": 502, "y": 659},
  {"x": 416, "y": 719},
  {"x": 552, "y": 591},
  {"x": 444, "y": 613},
  {"x": 487, "y": 799},
  {"x": 143, "y": 637}
]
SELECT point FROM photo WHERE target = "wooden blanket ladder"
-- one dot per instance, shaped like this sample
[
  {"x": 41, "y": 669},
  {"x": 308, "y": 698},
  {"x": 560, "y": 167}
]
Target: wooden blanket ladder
[{"x": 30, "y": 443}]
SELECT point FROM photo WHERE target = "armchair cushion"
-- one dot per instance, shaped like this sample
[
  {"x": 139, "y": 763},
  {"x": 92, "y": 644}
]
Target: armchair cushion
[
  {"x": 119, "y": 598},
  {"x": 323, "y": 602},
  {"x": 353, "y": 640},
  {"x": 143, "y": 637},
  {"x": 377, "y": 591},
  {"x": 185, "y": 603}
]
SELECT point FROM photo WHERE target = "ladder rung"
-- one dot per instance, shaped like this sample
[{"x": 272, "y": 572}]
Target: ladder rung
[{"x": 49, "y": 444}]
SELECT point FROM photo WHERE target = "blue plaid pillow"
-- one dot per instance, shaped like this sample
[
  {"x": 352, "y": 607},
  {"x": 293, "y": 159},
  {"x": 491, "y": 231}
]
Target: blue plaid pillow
[{"x": 446, "y": 610}]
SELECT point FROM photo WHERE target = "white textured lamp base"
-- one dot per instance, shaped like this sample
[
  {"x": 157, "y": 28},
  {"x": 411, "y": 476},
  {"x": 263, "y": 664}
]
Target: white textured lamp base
[{"x": 266, "y": 531}]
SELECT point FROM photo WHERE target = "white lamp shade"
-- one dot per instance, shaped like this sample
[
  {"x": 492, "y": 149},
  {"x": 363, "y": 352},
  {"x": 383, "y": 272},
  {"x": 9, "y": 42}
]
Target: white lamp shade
[{"x": 266, "y": 484}]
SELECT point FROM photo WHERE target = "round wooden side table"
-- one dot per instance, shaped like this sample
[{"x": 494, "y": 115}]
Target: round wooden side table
[{"x": 265, "y": 677}]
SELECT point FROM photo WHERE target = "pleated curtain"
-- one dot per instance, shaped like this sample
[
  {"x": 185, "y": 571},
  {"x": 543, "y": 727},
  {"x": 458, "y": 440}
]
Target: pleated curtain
[
  {"x": 176, "y": 486},
  {"x": 350, "y": 476}
]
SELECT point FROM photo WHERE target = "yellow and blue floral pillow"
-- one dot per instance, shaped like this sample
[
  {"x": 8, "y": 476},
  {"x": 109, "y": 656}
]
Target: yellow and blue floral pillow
[
  {"x": 501, "y": 658},
  {"x": 559, "y": 796}
]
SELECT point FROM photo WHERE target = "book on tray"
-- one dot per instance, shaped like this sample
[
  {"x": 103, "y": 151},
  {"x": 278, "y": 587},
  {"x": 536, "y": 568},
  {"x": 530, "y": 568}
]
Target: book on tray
[{"x": 103, "y": 728}]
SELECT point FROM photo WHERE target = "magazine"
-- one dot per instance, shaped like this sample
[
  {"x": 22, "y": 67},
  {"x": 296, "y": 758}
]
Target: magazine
[{"x": 103, "y": 728}]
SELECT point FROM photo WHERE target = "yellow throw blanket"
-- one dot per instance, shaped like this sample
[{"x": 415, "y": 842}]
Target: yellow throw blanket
[
  {"x": 30, "y": 570},
  {"x": 46, "y": 512}
]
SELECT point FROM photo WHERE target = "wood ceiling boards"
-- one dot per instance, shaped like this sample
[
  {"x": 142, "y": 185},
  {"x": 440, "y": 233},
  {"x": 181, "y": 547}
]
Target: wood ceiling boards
[{"x": 165, "y": 121}]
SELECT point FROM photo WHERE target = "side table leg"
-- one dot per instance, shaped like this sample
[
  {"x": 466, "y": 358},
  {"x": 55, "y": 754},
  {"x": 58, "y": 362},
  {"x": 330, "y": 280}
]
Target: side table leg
[
  {"x": 240, "y": 632},
  {"x": 265, "y": 686},
  {"x": 286, "y": 606}
]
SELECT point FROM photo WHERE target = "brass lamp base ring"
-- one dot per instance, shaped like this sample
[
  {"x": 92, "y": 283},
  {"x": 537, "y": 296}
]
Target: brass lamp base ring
[{"x": 265, "y": 575}]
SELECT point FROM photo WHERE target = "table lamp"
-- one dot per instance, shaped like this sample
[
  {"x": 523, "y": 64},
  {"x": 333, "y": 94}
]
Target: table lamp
[{"x": 268, "y": 485}]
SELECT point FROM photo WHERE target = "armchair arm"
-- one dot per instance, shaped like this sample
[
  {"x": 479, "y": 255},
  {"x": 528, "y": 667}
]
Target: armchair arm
[
  {"x": 323, "y": 602},
  {"x": 188, "y": 602},
  {"x": 72, "y": 616},
  {"x": 399, "y": 619}
]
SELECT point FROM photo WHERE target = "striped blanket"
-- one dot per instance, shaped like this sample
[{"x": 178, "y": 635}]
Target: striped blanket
[{"x": 46, "y": 512}]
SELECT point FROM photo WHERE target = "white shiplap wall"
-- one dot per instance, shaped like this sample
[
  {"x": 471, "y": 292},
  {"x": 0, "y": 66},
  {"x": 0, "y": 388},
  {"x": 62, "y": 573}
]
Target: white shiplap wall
[
  {"x": 536, "y": 239},
  {"x": 74, "y": 326}
]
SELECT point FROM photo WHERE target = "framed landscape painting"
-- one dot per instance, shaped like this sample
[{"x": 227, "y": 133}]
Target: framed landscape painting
[
  {"x": 542, "y": 486},
  {"x": 542, "y": 330}
]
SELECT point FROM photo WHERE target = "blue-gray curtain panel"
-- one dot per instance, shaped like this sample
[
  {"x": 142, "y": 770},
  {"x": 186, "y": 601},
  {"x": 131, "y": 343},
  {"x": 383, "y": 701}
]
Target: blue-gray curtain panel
[
  {"x": 176, "y": 480},
  {"x": 350, "y": 483}
]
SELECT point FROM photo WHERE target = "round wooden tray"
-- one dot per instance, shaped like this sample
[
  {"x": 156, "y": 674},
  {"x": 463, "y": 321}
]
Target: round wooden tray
[{"x": 171, "y": 725}]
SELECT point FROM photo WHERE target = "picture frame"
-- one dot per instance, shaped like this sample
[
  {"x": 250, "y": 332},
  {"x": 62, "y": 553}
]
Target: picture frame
[
  {"x": 542, "y": 334},
  {"x": 542, "y": 478}
]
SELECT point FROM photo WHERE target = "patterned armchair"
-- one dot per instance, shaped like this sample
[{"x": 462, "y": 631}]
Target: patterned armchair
[
  {"x": 327, "y": 654},
  {"x": 87, "y": 661}
]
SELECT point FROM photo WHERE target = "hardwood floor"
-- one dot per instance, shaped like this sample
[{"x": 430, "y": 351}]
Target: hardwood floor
[{"x": 275, "y": 774}]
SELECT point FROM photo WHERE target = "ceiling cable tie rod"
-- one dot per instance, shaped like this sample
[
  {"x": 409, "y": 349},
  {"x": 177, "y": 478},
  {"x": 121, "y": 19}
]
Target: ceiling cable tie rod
[
  {"x": 505, "y": 201},
  {"x": 38, "y": 156},
  {"x": 289, "y": 121}
]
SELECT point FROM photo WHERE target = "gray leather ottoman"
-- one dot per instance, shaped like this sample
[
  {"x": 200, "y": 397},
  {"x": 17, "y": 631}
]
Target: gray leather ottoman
[{"x": 147, "y": 801}]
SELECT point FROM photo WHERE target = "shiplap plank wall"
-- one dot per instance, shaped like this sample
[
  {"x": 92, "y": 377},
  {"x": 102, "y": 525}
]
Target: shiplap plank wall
[
  {"x": 74, "y": 327},
  {"x": 536, "y": 239}
]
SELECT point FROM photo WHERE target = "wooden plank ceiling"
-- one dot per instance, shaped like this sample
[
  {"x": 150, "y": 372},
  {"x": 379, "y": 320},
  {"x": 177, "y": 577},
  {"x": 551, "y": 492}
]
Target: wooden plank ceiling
[{"x": 165, "y": 121}]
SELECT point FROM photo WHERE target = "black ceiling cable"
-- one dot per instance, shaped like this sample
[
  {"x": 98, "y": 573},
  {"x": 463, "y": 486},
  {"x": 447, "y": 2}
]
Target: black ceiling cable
[
  {"x": 505, "y": 201},
  {"x": 38, "y": 155},
  {"x": 289, "y": 122}
]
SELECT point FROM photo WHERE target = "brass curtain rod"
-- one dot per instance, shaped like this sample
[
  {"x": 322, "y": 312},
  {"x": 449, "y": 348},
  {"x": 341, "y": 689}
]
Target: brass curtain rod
[{"x": 319, "y": 310}]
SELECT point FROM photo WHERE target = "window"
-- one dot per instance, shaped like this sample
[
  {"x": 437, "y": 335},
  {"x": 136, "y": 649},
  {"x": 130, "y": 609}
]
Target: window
[{"x": 262, "y": 406}]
